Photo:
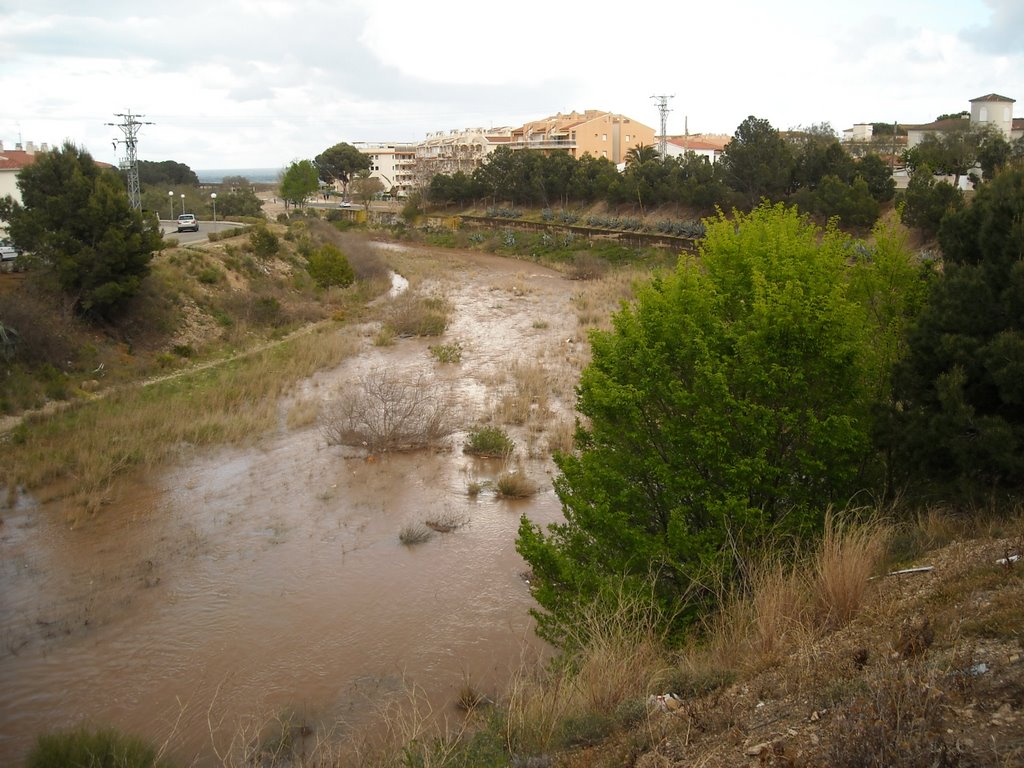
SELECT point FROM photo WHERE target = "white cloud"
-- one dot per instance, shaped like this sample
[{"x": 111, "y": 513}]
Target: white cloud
[{"x": 261, "y": 82}]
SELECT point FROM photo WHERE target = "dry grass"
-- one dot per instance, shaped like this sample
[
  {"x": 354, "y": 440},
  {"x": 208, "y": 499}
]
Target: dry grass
[
  {"x": 619, "y": 649},
  {"x": 415, "y": 533},
  {"x": 599, "y": 298},
  {"x": 787, "y": 603},
  {"x": 82, "y": 450},
  {"x": 411, "y": 314},
  {"x": 446, "y": 522},
  {"x": 847, "y": 557},
  {"x": 302, "y": 413},
  {"x": 514, "y": 484}
]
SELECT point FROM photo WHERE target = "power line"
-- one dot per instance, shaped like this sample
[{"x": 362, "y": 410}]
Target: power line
[
  {"x": 662, "y": 104},
  {"x": 130, "y": 163}
]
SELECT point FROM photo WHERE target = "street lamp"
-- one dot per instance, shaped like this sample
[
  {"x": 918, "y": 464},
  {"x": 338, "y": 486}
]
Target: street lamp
[
  {"x": 213, "y": 196},
  {"x": 182, "y": 203},
  {"x": 170, "y": 197}
]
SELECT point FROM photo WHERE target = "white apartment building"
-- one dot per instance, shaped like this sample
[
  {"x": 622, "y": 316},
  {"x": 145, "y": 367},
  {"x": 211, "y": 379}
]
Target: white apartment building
[{"x": 393, "y": 163}]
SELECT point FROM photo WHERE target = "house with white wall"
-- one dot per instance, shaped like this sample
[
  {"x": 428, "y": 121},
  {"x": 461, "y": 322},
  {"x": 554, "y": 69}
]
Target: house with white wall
[{"x": 11, "y": 163}]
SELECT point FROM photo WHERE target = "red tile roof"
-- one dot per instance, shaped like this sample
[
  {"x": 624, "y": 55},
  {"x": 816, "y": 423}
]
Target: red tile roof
[{"x": 15, "y": 159}]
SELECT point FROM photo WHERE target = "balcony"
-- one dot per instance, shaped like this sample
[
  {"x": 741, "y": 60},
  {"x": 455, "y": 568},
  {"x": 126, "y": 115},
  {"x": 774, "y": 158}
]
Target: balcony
[{"x": 566, "y": 144}]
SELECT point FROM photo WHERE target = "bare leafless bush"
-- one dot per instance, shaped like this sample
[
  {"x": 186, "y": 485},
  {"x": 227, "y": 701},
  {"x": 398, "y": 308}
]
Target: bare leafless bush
[
  {"x": 587, "y": 266},
  {"x": 384, "y": 411},
  {"x": 42, "y": 336}
]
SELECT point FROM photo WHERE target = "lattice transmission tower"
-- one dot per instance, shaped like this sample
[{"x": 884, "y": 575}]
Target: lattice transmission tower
[
  {"x": 130, "y": 127},
  {"x": 662, "y": 104}
]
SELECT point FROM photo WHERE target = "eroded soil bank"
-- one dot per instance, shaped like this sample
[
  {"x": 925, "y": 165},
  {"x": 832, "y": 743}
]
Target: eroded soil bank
[{"x": 244, "y": 584}]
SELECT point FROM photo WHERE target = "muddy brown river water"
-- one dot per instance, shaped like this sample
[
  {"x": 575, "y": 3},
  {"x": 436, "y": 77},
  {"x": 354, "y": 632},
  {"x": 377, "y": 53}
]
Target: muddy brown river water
[{"x": 246, "y": 583}]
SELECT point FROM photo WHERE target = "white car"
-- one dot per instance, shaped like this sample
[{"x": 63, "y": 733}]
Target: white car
[
  {"x": 8, "y": 251},
  {"x": 188, "y": 221}
]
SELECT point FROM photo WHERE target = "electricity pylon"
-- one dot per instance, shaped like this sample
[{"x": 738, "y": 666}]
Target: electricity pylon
[
  {"x": 662, "y": 104},
  {"x": 130, "y": 162}
]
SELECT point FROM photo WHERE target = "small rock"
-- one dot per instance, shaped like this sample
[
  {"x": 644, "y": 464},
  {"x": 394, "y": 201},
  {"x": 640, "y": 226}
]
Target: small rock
[
  {"x": 757, "y": 749},
  {"x": 1014, "y": 658},
  {"x": 815, "y": 716}
]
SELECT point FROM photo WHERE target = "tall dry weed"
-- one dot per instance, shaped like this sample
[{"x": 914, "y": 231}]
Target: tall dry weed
[
  {"x": 617, "y": 648},
  {"x": 847, "y": 557}
]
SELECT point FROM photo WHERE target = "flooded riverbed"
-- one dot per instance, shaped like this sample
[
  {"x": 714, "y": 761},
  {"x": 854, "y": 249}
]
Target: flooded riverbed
[{"x": 248, "y": 583}]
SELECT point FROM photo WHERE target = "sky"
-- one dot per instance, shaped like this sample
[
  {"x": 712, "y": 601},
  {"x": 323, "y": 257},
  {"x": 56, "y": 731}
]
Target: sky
[{"x": 261, "y": 83}]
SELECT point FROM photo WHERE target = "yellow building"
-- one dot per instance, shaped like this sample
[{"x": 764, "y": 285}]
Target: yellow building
[{"x": 593, "y": 132}]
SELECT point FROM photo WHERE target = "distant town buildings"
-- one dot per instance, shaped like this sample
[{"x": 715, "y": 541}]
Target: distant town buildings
[
  {"x": 593, "y": 132},
  {"x": 991, "y": 109}
]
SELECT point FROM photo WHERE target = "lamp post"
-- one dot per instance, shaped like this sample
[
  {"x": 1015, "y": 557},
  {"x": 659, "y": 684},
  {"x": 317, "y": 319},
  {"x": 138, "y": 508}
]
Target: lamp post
[
  {"x": 183, "y": 202},
  {"x": 213, "y": 197},
  {"x": 170, "y": 197}
]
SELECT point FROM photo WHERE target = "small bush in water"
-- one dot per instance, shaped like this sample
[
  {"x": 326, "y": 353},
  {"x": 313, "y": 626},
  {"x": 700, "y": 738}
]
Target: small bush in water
[
  {"x": 100, "y": 748},
  {"x": 489, "y": 441}
]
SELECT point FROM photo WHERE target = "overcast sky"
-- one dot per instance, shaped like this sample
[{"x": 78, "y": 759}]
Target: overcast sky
[{"x": 259, "y": 83}]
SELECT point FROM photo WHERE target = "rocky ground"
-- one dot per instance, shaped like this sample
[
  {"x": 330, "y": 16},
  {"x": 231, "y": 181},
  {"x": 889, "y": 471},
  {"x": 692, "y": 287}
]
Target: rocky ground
[{"x": 930, "y": 675}]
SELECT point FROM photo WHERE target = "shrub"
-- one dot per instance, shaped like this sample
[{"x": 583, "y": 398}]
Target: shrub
[
  {"x": 328, "y": 267},
  {"x": 513, "y": 484},
  {"x": 927, "y": 201},
  {"x": 210, "y": 275},
  {"x": 447, "y": 353},
  {"x": 768, "y": 326},
  {"x": 264, "y": 243},
  {"x": 100, "y": 748},
  {"x": 412, "y": 315},
  {"x": 489, "y": 442},
  {"x": 386, "y": 412},
  {"x": 414, "y": 533},
  {"x": 266, "y": 310}
]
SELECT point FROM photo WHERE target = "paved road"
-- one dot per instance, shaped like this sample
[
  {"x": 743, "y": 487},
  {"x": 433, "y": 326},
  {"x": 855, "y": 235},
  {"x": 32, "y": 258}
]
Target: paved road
[{"x": 170, "y": 229}]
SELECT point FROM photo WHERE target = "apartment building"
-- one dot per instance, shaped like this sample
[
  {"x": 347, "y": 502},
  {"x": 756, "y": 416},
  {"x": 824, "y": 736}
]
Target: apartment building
[
  {"x": 457, "y": 150},
  {"x": 593, "y": 132},
  {"x": 393, "y": 163}
]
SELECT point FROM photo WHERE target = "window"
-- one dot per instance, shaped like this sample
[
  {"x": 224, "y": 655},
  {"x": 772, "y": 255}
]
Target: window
[
  {"x": 604, "y": 137},
  {"x": 627, "y": 137},
  {"x": 983, "y": 117}
]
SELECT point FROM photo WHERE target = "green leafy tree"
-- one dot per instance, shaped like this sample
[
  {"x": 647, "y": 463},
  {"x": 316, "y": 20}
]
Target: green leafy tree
[
  {"x": 340, "y": 163},
  {"x": 851, "y": 203},
  {"x": 240, "y": 201},
  {"x": 956, "y": 152},
  {"x": 592, "y": 177},
  {"x": 329, "y": 267},
  {"x": 166, "y": 172},
  {"x": 927, "y": 201},
  {"x": 76, "y": 221},
  {"x": 731, "y": 403},
  {"x": 300, "y": 180},
  {"x": 876, "y": 174},
  {"x": 960, "y": 391},
  {"x": 757, "y": 163}
]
